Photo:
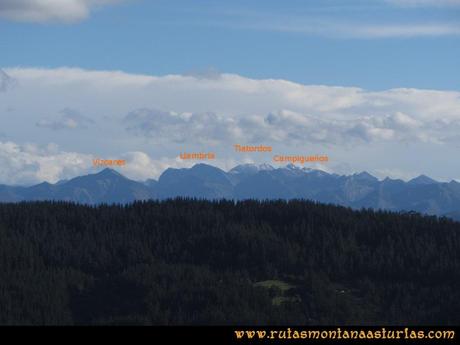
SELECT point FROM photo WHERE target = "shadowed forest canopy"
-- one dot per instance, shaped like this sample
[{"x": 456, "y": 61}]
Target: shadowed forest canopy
[{"x": 223, "y": 262}]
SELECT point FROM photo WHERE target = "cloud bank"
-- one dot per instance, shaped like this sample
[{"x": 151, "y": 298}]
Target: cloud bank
[
  {"x": 30, "y": 163},
  {"x": 149, "y": 120},
  {"x": 69, "y": 119}
]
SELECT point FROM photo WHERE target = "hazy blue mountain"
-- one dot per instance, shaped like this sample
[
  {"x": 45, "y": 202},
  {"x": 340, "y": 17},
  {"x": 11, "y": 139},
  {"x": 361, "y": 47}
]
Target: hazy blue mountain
[
  {"x": 42, "y": 191},
  {"x": 241, "y": 172},
  {"x": 454, "y": 215},
  {"x": 265, "y": 184},
  {"x": 107, "y": 186},
  {"x": 422, "y": 179},
  {"x": 247, "y": 181},
  {"x": 151, "y": 182},
  {"x": 11, "y": 194},
  {"x": 200, "y": 181}
]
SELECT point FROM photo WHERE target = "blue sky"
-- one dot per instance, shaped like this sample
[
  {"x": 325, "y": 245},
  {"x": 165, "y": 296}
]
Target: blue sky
[
  {"x": 310, "y": 42},
  {"x": 372, "y": 84}
]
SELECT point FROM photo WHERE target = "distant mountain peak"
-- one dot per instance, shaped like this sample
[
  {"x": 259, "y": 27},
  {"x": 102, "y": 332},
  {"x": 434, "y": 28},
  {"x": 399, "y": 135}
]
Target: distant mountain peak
[
  {"x": 244, "y": 168},
  {"x": 265, "y": 166},
  {"x": 389, "y": 179},
  {"x": 422, "y": 179},
  {"x": 204, "y": 166},
  {"x": 364, "y": 175},
  {"x": 292, "y": 166},
  {"x": 250, "y": 168},
  {"x": 108, "y": 172},
  {"x": 150, "y": 182},
  {"x": 201, "y": 165},
  {"x": 45, "y": 184},
  {"x": 251, "y": 181}
]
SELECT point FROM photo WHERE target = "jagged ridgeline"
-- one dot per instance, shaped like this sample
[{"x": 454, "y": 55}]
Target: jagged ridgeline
[
  {"x": 224, "y": 262},
  {"x": 249, "y": 181}
]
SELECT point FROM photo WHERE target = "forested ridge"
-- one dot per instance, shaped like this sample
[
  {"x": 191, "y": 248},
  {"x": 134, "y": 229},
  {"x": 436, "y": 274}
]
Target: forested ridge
[{"x": 222, "y": 262}]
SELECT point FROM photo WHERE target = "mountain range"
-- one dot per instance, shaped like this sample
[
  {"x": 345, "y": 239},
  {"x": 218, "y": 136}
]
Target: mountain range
[{"x": 421, "y": 194}]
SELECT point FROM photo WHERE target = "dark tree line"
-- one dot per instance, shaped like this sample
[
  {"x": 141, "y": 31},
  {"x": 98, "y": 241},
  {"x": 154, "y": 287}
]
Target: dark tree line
[{"x": 201, "y": 262}]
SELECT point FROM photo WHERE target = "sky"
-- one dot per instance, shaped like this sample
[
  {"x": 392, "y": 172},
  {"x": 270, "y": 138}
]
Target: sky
[{"x": 373, "y": 84}]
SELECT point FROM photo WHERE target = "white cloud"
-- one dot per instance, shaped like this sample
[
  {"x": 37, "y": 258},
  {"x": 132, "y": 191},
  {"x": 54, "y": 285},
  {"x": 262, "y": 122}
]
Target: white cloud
[
  {"x": 336, "y": 28},
  {"x": 40, "y": 11},
  {"x": 212, "y": 114},
  {"x": 206, "y": 128},
  {"x": 417, "y": 3},
  {"x": 282, "y": 126},
  {"x": 380, "y": 21},
  {"x": 140, "y": 166},
  {"x": 233, "y": 107},
  {"x": 69, "y": 119},
  {"x": 29, "y": 163},
  {"x": 409, "y": 30}
]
